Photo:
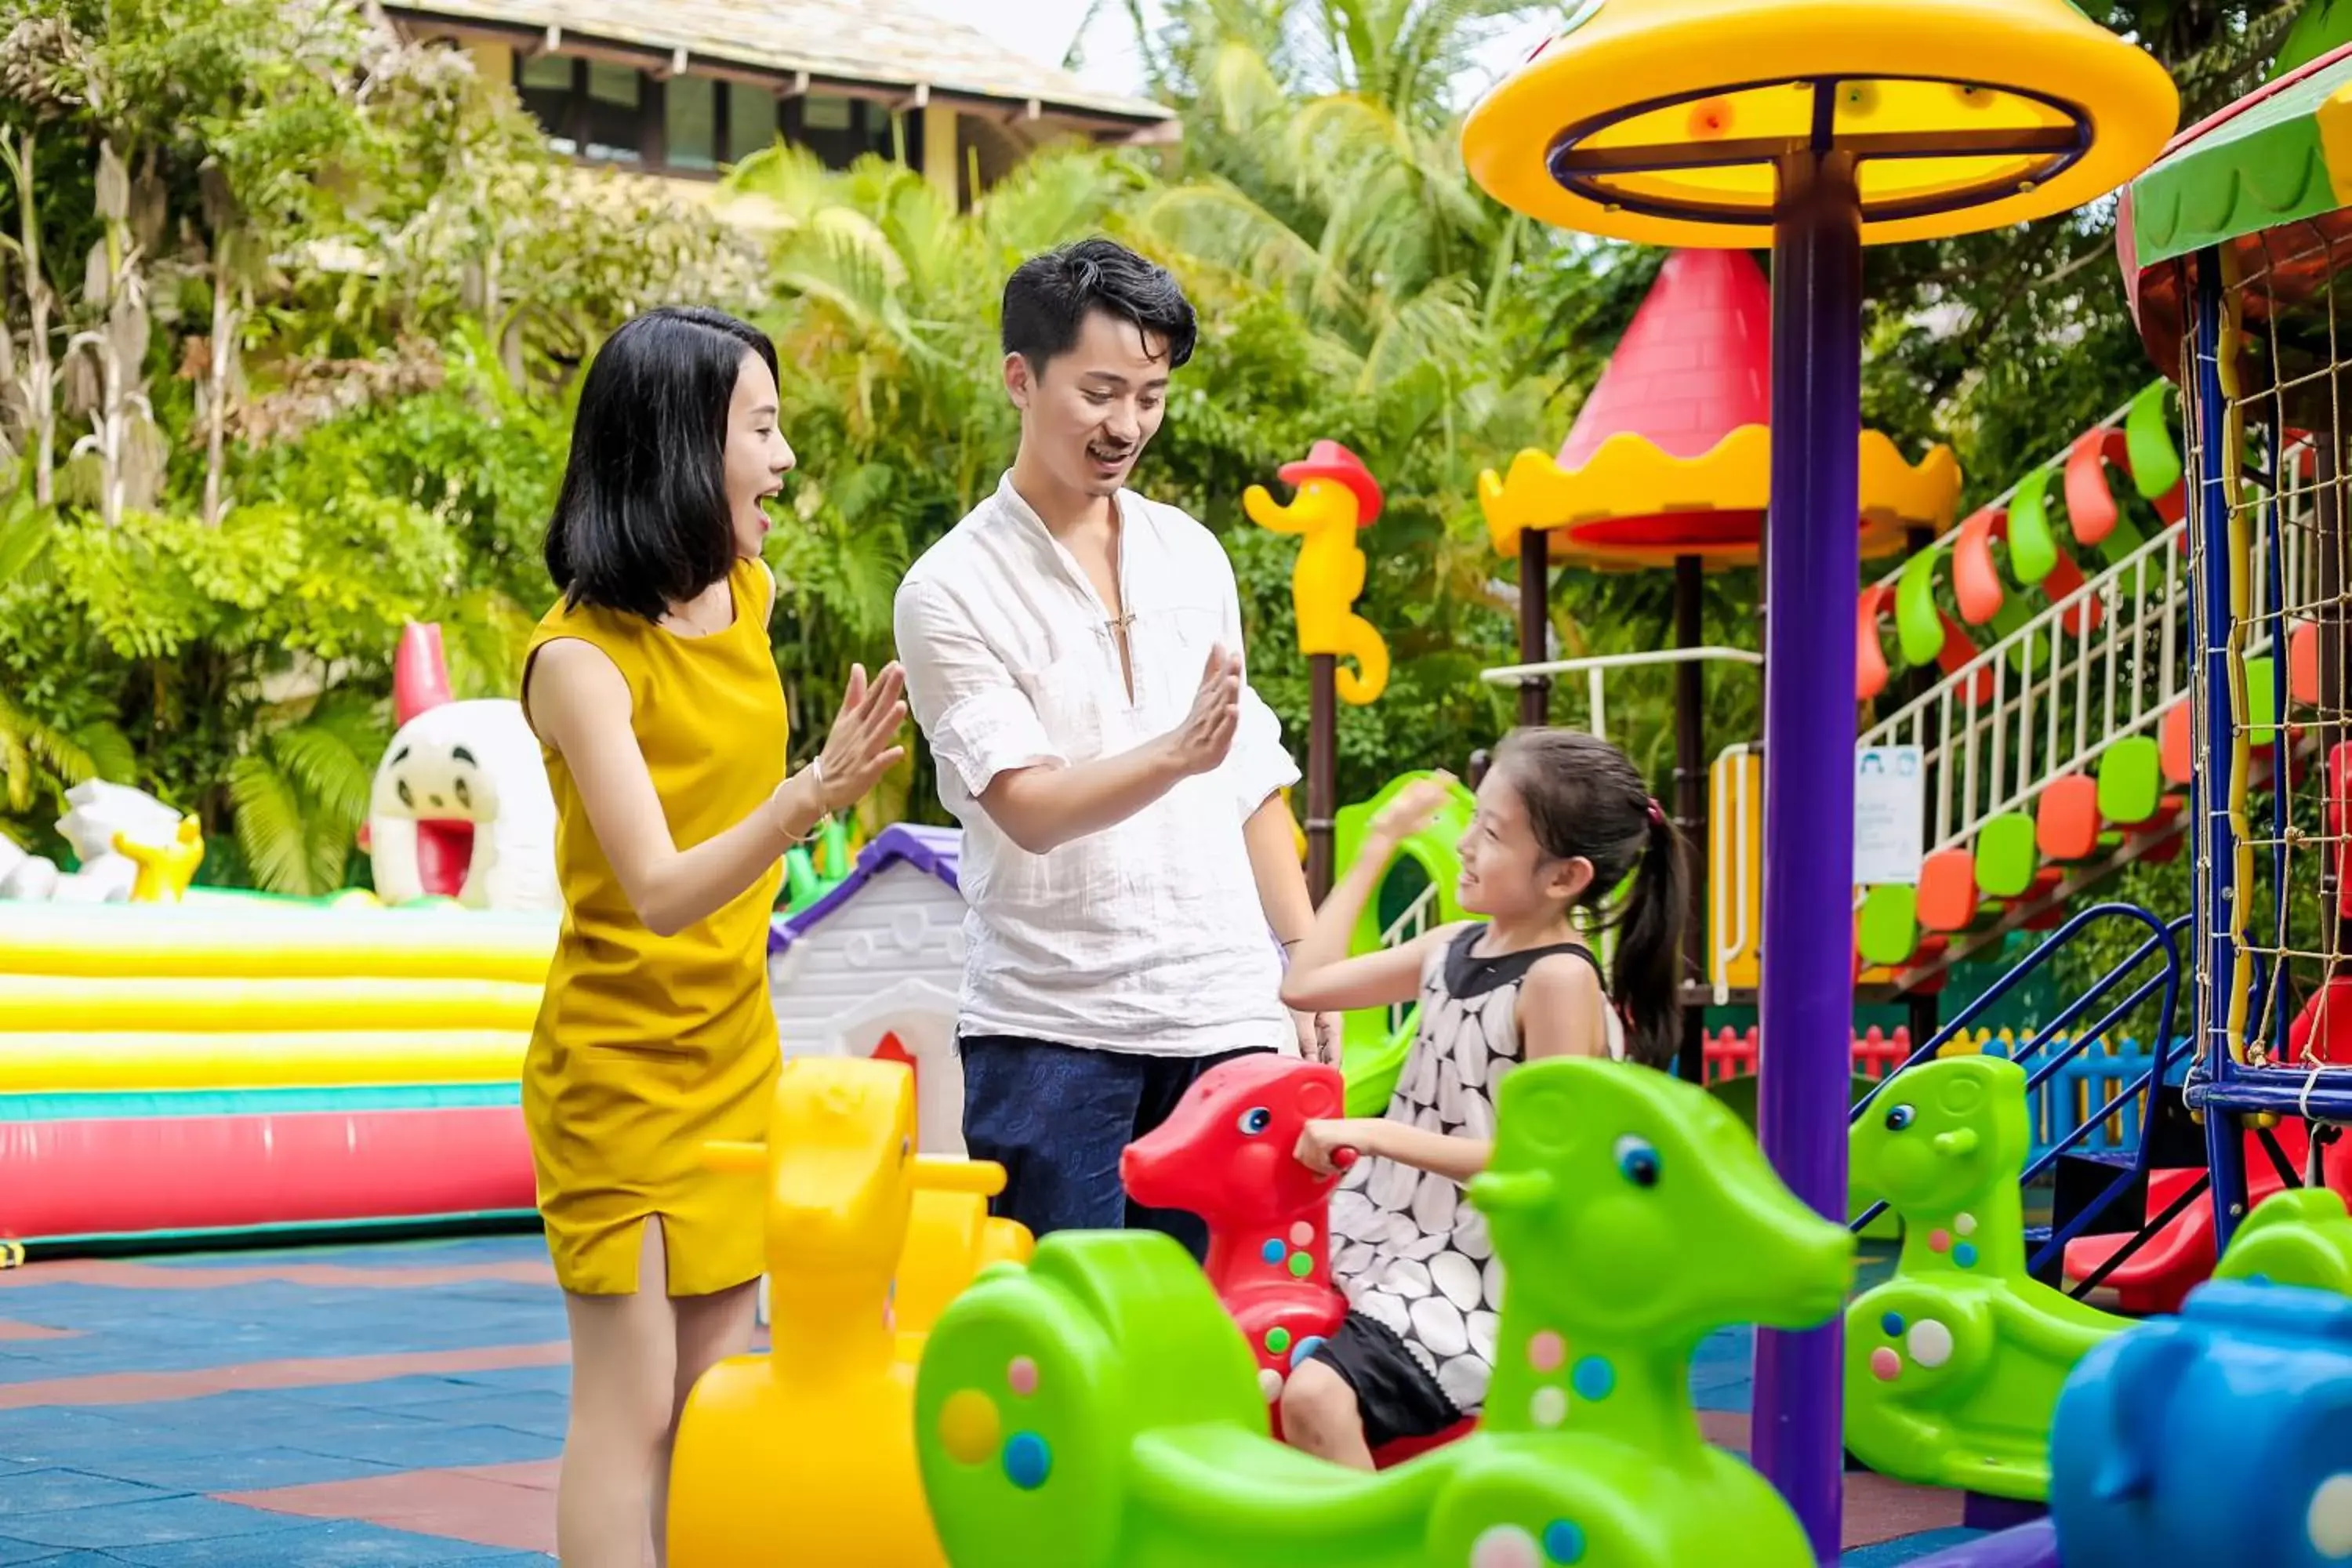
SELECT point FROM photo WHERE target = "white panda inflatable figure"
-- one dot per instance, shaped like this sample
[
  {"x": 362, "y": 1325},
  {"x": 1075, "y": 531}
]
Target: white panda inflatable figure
[{"x": 460, "y": 807}]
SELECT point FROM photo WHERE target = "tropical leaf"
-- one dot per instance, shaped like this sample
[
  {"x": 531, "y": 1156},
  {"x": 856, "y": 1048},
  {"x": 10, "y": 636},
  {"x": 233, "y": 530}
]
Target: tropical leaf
[{"x": 271, "y": 828}]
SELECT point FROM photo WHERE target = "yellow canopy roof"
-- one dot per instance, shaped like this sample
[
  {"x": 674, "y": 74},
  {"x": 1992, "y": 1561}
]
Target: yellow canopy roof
[
  {"x": 1630, "y": 479},
  {"x": 1663, "y": 120}
]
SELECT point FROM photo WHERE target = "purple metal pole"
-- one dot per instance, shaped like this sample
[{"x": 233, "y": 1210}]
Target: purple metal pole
[{"x": 1812, "y": 569}]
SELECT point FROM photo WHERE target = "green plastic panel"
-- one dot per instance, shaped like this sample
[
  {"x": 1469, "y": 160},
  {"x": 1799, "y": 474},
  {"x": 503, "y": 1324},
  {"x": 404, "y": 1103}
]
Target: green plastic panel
[
  {"x": 2147, "y": 442},
  {"x": 2032, "y": 550},
  {"x": 2131, "y": 780},
  {"x": 1888, "y": 931},
  {"x": 2005, "y": 856},
  {"x": 1919, "y": 629},
  {"x": 2261, "y": 702}
]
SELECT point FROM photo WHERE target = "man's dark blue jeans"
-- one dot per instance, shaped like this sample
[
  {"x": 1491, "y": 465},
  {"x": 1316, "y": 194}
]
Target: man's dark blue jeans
[{"x": 1058, "y": 1117}]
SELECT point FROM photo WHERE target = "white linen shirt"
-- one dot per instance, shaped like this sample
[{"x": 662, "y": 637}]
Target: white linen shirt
[{"x": 1148, "y": 936}]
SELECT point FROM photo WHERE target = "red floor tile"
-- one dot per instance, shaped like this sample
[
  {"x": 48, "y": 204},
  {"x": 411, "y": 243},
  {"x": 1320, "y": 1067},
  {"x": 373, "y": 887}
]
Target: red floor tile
[
  {"x": 10, "y": 1329},
  {"x": 330, "y": 1276},
  {"x": 511, "y": 1506},
  {"x": 140, "y": 1387}
]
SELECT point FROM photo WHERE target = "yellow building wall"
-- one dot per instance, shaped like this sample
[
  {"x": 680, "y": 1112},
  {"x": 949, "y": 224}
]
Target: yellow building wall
[
  {"x": 942, "y": 160},
  {"x": 496, "y": 62}
]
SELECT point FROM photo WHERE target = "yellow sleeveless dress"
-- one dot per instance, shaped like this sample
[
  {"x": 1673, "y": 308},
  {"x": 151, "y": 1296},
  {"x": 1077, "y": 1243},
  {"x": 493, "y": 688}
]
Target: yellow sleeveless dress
[{"x": 646, "y": 1046}]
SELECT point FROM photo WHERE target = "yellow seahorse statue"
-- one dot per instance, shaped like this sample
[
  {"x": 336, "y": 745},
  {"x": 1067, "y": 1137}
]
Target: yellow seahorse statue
[
  {"x": 165, "y": 870},
  {"x": 1336, "y": 495}
]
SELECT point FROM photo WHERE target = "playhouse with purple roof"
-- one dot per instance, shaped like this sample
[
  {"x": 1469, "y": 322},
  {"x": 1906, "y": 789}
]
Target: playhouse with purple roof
[{"x": 873, "y": 968}]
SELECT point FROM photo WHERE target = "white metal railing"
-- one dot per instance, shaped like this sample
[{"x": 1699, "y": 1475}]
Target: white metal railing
[
  {"x": 1729, "y": 892},
  {"x": 1595, "y": 667},
  {"x": 2048, "y": 699}
]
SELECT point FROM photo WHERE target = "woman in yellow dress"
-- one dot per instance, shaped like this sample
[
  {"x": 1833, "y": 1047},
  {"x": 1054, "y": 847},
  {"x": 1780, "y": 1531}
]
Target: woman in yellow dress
[{"x": 654, "y": 692}]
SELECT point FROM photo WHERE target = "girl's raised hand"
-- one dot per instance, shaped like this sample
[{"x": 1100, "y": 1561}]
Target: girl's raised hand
[
  {"x": 863, "y": 745},
  {"x": 1413, "y": 810}
]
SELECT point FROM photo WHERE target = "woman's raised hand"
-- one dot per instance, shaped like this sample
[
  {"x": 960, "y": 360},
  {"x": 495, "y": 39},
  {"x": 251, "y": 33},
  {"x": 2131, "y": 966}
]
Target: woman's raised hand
[{"x": 863, "y": 745}]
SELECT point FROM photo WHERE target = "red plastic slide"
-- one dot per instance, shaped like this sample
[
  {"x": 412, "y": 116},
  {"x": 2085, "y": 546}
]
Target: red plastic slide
[{"x": 2179, "y": 1258}]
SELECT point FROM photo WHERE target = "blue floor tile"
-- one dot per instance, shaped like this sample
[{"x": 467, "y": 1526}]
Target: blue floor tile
[
  {"x": 46, "y": 1491},
  {"x": 13, "y": 1553},
  {"x": 241, "y": 1470},
  {"x": 112, "y": 1526},
  {"x": 540, "y": 1412},
  {"x": 436, "y": 1447},
  {"x": 392, "y": 1394},
  {"x": 40, "y": 1438},
  {"x": 1886, "y": 1553},
  {"x": 308, "y": 1544},
  {"x": 184, "y": 1331}
]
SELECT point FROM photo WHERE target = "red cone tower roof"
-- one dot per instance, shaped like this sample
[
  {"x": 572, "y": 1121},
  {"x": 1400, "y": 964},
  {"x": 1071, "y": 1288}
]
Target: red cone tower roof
[
  {"x": 1695, "y": 365},
  {"x": 1671, "y": 455}
]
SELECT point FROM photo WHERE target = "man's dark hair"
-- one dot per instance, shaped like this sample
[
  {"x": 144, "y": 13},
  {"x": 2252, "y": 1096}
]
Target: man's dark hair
[
  {"x": 642, "y": 521},
  {"x": 1048, "y": 298}
]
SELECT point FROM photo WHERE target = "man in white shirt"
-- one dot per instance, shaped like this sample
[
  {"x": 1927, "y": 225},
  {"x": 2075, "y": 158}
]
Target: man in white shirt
[{"x": 1074, "y": 654}]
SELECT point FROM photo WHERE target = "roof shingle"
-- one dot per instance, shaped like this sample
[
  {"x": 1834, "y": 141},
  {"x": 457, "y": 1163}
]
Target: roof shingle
[{"x": 880, "y": 41}]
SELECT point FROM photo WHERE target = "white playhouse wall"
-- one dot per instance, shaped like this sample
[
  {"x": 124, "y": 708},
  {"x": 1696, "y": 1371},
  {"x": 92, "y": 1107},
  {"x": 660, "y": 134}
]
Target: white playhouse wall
[{"x": 888, "y": 961}]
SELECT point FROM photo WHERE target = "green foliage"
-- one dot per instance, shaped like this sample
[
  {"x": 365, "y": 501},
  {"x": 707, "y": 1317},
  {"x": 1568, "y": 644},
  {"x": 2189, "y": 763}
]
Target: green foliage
[
  {"x": 408, "y": 282},
  {"x": 376, "y": 438}
]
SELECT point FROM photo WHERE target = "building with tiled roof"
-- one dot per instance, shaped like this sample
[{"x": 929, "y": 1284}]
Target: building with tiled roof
[{"x": 684, "y": 88}]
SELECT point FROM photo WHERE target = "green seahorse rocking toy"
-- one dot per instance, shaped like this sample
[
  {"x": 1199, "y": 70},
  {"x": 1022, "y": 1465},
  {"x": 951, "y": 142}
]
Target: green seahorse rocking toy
[
  {"x": 1097, "y": 1408},
  {"x": 1953, "y": 1366}
]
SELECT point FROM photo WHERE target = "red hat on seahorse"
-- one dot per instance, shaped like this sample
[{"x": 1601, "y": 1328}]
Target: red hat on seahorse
[
  {"x": 1330, "y": 460},
  {"x": 420, "y": 674}
]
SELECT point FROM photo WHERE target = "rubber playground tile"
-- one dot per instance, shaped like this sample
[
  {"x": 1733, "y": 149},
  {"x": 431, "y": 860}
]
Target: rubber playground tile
[
  {"x": 132, "y": 1332},
  {"x": 63, "y": 1437},
  {"x": 12, "y": 1329},
  {"x": 12, "y": 1552},
  {"x": 542, "y": 1413},
  {"x": 49, "y": 1490},
  {"x": 155, "y": 1523},
  {"x": 1888, "y": 1553},
  {"x": 436, "y": 1446},
  {"x": 529, "y": 1246},
  {"x": 320, "y": 1544},
  {"x": 496, "y": 1505},
  {"x": 238, "y": 1470},
  {"x": 233, "y": 1273},
  {"x": 398, "y": 1394},
  {"x": 97, "y": 1388}
]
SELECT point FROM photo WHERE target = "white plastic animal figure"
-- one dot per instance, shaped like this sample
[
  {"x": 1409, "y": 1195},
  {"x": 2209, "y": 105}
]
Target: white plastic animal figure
[
  {"x": 96, "y": 812},
  {"x": 460, "y": 807}
]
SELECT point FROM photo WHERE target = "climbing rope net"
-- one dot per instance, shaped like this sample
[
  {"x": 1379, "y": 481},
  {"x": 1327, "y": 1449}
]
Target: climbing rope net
[{"x": 2264, "y": 374}]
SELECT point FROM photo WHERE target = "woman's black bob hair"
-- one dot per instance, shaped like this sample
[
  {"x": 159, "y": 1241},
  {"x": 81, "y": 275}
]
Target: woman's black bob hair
[{"x": 642, "y": 521}]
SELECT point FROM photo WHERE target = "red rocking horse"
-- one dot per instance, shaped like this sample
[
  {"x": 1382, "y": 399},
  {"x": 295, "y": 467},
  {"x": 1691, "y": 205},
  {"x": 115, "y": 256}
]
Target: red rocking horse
[{"x": 1226, "y": 1154}]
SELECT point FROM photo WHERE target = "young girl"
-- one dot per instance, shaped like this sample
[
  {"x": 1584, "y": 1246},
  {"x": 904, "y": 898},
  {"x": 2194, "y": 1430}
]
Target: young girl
[
  {"x": 1561, "y": 819},
  {"x": 654, "y": 695}
]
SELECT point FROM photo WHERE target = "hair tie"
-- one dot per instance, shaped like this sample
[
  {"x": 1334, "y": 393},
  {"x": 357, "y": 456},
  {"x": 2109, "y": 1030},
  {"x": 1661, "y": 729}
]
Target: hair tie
[{"x": 1657, "y": 814}]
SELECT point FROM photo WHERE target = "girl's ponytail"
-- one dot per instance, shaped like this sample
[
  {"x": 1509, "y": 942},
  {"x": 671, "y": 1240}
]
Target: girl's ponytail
[
  {"x": 1648, "y": 971},
  {"x": 1585, "y": 798}
]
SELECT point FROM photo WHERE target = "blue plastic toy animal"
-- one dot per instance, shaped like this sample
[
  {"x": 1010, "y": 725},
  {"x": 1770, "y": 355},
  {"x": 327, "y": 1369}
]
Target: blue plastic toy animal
[{"x": 2220, "y": 1438}]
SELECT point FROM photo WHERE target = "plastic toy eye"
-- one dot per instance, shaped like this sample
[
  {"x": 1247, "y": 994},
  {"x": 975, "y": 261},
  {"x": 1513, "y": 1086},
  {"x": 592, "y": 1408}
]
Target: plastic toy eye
[
  {"x": 1639, "y": 1159},
  {"x": 1899, "y": 1117},
  {"x": 1254, "y": 1120}
]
